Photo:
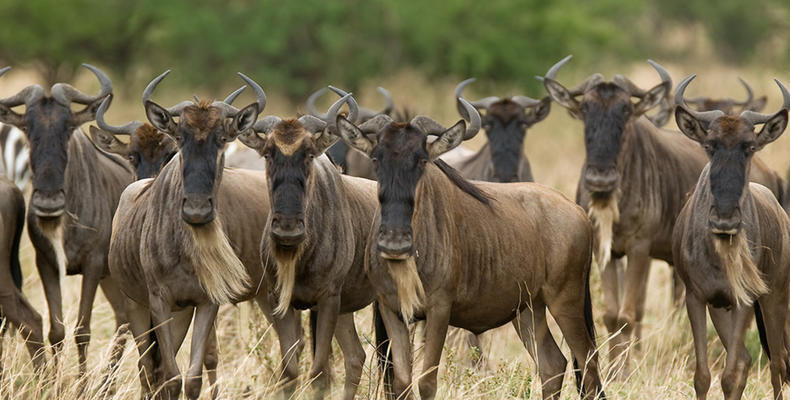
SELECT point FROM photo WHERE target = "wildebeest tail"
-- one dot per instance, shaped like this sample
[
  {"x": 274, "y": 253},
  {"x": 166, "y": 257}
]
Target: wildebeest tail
[
  {"x": 589, "y": 323},
  {"x": 383, "y": 353},
  {"x": 758, "y": 318},
  {"x": 313, "y": 329},
  {"x": 16, "y": 267}
]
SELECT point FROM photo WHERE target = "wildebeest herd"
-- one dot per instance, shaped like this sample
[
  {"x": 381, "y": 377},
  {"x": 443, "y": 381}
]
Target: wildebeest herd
[{"x": 339, "y": 210}]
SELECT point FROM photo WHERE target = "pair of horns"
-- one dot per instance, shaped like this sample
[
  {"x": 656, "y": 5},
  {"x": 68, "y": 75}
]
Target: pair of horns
[
  {"x": 63, "y": 93},
  {"x": 318, "y": 122},
  {"x": 364, "y": 113},
  {"x": 522, "y": 101}
]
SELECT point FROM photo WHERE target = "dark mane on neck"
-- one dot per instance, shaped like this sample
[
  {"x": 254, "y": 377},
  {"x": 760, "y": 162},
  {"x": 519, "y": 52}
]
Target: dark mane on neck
[{"x": 463, "y": 184}]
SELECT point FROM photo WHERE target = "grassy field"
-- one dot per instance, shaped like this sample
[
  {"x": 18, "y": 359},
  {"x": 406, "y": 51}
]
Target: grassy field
[{"x": 249, "y": 354}]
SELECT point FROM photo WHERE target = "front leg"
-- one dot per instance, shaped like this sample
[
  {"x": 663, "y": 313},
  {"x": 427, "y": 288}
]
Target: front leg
[
  {"x": 205, "y": 314},
  {"x": 50, "y": 280},
  {"x": 289, "y": 334},
  {"x": 698, "y": 317},
  {"x": 437, "y": 319},
  {"x": 400, "y": 349},
  {"x": 774, "y": 307},
  {"x": 161, "y": 317},
  {"x": 736, "y": 369},
  {"x": 82, "y": 332},
  {"x": 328, "y": 309},
  {"x": 634, "y": 290},
  {"x": 353, "y": 353}
]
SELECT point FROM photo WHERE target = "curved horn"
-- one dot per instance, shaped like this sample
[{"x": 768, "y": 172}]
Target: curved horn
[
  {"x": 149, "y": 91},
  {"x": 258, "y": 90},
  {"x": 65, "y": 94},
  {"x": 524, "y": 101},
  {"x": 431, "y": 127},
  {"x": 311, "y": 109},
  {"x": 749, "y": 94},
  {"x": 232, "y": 97},
  {"x": 481, "y": 103},
  {"x": 126, "y": 129},
  {"x": 354, "y": 112},
  {"x": 552, "y": 73},
  {"x": 312, "y": 123},
  {"x": 27, "y": 96},
  {"x": 704, "y": 116},
  {"x": 666, "y": 78},
  {"x": 759, "y": 118},
  {"x": 266, "y": 124},
  {"x": 390, "y": 105},
  {"x": 582, "y": 87},
  {"x": 375, "y": 124}
]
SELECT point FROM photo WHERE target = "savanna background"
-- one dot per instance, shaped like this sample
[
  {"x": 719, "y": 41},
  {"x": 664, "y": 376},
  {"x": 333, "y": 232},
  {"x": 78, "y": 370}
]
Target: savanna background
[{"x": 418, "y": 50}]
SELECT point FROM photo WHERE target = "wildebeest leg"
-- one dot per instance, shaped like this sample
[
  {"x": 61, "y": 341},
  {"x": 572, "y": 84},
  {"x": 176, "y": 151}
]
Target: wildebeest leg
[
  {"x": 50, "y": 279},
  {"x": 698, "y": 317},
  {"x": 775, "y": 306},
  {"x": 678, "y": 288},
  {"x": 353, "y": 353},
  {"x": 611, "y": 291},
  {"x": 736, "y": 368},
  {"x": 205, "y": 314},
  {"x": 18, "y": 312},
  {"x": 437, "y": 320},
  {"x": 117, "y": 301},
  {"x": 534, "y": 332},
  {"x": 289, "y": 333},
  {"x": 161, "y": 320},
  {"x": 211, "y": 360},
  {"x": 140, "y": 325},
  {"x": 400, "y": 348},
  {"x": 635, "y": 286},
  {"x": 328, "y": 309},
  {"x": 82, "y": 332}
]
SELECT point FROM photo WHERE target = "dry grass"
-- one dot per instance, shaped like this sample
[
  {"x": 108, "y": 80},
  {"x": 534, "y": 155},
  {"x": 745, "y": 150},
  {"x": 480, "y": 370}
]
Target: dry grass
[{"x": 249, "y": 354}]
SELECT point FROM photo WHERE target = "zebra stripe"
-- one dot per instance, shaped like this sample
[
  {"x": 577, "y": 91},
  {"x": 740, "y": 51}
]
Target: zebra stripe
[{"x": 15, "y": 155}]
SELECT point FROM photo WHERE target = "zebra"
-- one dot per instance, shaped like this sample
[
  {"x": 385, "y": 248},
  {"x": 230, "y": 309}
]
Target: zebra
[{"x": 15, "y": 156}]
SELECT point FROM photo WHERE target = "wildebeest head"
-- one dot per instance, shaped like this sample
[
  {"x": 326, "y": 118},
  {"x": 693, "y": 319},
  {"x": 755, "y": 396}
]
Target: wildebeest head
[
  {"x": 201, "y": 132},
  {"x": 606, "y": 109},
  {"x": 400, "y": 152},
  {"x": 505, "y": 123},
  {"x": 48, "y": 123},
  {"x": 730, "y": 142},
  {"x": 289, "y": 147},
  {"x": 729, "y": 105}
]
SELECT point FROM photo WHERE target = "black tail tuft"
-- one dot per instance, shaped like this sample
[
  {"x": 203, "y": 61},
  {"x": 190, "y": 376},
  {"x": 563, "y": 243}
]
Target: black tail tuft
[
  {"x": 16, "y": 267},
  {"x": 313, "y": 328},
  {"x": 758, "y": 317},
  {"x": 384, "y": 355}
]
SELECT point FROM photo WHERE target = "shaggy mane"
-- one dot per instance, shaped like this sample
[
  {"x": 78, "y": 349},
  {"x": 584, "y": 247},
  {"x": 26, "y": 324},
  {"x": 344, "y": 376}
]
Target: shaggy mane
[{"x": 463, "y": 184}]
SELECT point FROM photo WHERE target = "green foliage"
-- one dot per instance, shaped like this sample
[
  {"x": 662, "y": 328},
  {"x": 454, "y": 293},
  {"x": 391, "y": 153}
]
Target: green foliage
[{"x": 299, "y": 46}]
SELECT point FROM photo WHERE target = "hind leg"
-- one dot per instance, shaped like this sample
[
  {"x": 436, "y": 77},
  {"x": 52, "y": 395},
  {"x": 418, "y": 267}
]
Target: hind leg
[
  {"x": 210, "y": 362},
  {"x": 117, "y": 301},
  {"x": 610, "y": 276},
  {"x": 140, "y": 325},
  {"x": 21, "y": 314},
  {"x": 698, "y": 318},
  {"x": 534, "y": 332},
  {"x": 736, "y": 368},
  {"x": 775, "y": 306},
  {"x": 353, "y": 353}
]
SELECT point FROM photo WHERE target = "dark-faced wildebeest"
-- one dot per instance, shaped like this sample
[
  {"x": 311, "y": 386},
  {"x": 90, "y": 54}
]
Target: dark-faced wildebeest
[
  {"x": 14, "y": 308},
  {"x": 505, "y": 123},
  {"x": 732, "y": 245},
  {"x": 472, "y": 255},
  {"x": 729, "y": 105},
  {"x": 75, "y": 192},
  {"x": 634, "y": 182},
  {"x": 351, "y": 161},
  {"x": 317, "y": 231}
]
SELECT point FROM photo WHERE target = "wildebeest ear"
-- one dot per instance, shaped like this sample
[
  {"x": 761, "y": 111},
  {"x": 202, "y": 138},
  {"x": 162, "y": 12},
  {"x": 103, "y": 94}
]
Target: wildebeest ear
[
  {"x": 323, "y": 139},
  {"x": 651, "y": 99},
  {"x": 539, "y": 112},
  {"x": 253, "y": 140},
  {"x": 562, "y": 96},
  {"x": 689, "y": 125},
  {"x": 8, "y": 116},
  {"x": 244, "y": 119},
  {"x": 757, "y": 105},
  {"x": 772, "y": 128},
  {"x": 87, "y": 114},
  {"x": 447, "y": 140},
  {"x": 108, "y": 142},
  {"x": 354, "y": 136},
  {"x": 159, "y": 117}
]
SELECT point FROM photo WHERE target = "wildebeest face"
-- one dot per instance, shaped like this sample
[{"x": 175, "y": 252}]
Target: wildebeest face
[
  {"x": 506, "y": 124},
  {"x": 289, "y": 151},
  {"x": 148, "y": 149},
  {"x": 730, "y": 143},
  {"x": 201, "y": 134}
]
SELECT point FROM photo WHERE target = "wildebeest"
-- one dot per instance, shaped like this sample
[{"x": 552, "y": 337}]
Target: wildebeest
[
  {"x": 472, "y": 255},
  {"x": 729, "y": 105},
  {"x": 505, "y": 123},
  {"x": 352, "y": 162},
  {"x": 14, "y": 308},
  {"x": 634, "y": 182},
  {"x": 731, "y": 245},
  {"x": 316, "y": 234},
  {"x": 172, "y": 239},
  {"x": 75, "y": 192}
]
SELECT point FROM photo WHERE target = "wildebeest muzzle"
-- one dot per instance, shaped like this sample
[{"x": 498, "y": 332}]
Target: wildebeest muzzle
[
  {"x": 48, "y": 205},
  {"x": 197, "y": 209},
  {"x": 287, "y": 231},
  {"x": 600, "y": 180},
  {"x": 395, "y": 244}
]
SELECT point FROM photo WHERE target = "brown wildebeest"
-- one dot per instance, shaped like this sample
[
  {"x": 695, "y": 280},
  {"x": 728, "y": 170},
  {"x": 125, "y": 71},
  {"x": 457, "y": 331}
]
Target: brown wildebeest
[
  {"x": 729, "y": 105},
  {"x": 505, "y": 123},
  {"x": 626, "y": 186},
  {"x": 472, "y": 255},
  {"x": 14, "y": 308},
  {"x": 75, "y": 192},
  {"x": 732, "y": 245},
  {"x": 172, "y": 240},
  {"x": 317, "y": 231},
  {"x": 352, "y": 162}
]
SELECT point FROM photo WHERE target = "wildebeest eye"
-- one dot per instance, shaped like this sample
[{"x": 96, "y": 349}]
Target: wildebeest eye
[
  {"x": 132, "y": 158},
  {"x": 423, "y": 162},
  {"x": 523, "y": 125},
  {"x": 708, "y": 147}
]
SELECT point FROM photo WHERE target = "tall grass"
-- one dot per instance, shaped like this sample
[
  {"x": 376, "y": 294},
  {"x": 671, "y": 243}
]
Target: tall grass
[{"x": 249, "y": 352}]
